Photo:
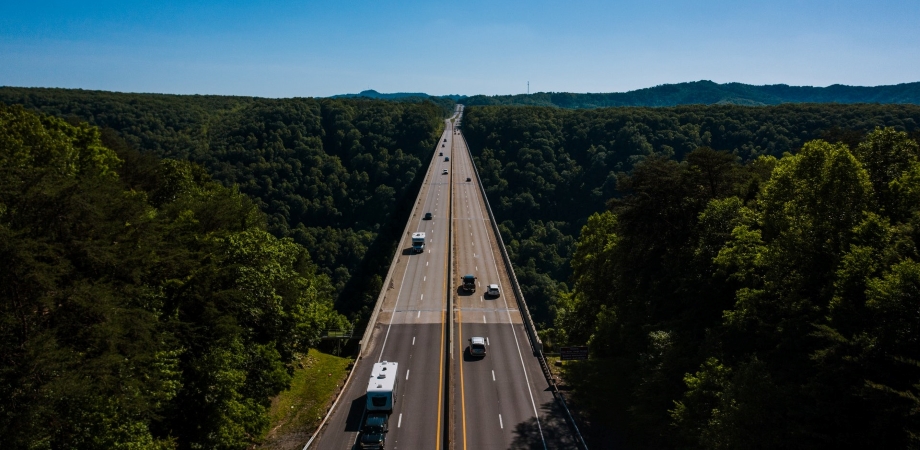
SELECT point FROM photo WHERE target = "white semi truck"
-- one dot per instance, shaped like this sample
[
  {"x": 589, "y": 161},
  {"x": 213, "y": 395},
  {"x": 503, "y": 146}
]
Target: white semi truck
[
  {"x": 381, "y": 388},
  {"x": 418, "y": 242}
]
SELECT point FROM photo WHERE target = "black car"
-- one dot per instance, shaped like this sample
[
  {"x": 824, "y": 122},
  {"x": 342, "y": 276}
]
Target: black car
[
  {"x": 427, "y": 216},
  {"x": 469, "y": 179},
  {"x": 374, "y": 433}
]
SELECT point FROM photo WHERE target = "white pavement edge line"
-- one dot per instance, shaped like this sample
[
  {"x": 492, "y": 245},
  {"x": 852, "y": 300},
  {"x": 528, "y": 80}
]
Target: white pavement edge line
[{"x": 377, "y": 306}]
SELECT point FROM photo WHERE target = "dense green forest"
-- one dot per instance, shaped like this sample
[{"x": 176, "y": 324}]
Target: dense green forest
[
  {"x": 709, "y": 93},
  {"x": 143, "y": 304},
  {"x": 546, "y": 170},
  {"x": 761, "y": 295},
  {"x": 333, "y": 174}
]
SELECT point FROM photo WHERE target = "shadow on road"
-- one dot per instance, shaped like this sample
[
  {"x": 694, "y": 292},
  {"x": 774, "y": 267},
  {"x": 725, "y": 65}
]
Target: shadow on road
[
  {"x": 463, "y": 293},
  {"x": 408, "y": 251},
  {"x": 355, "y": 414},
  {"x": 555, "y": 430},
  {"x": 467, "y": 357}
]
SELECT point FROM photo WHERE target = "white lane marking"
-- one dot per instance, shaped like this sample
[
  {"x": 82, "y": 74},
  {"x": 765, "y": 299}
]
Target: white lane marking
[
  {"x": 419, "y": 314},
  {"x": 487, "y": 341},
  {"x": 477, "y": 267},
  {"x": 493, "y": 375},
  {"x": 423, "y": 297},
  {"x": 399, "y": 423},
  {"x": 413, "y": 338},
  {"x": 429, "y": 251},
  {"x": 426, "y": 263},
  {"x": 425, "y": 278},
  {"x": 483, "y": 318},
  {"x": 480, "y": 298},
  {"x": 500, "y": 423},
  {"x": 407, "y": 374}
]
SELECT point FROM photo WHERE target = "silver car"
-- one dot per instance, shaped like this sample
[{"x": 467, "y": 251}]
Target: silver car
[{"x": 492, "y": 290}]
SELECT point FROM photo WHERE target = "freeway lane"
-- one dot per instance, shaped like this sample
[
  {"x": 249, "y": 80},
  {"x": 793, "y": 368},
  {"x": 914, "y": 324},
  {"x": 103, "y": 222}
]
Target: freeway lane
[
  {"x": 409, "y": 329},
  {"x": 504, "y": 399}
]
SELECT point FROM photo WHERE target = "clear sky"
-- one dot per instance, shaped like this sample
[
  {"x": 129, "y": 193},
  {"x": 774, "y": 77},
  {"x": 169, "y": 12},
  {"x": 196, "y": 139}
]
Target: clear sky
[{"x": 320, "y": 48}]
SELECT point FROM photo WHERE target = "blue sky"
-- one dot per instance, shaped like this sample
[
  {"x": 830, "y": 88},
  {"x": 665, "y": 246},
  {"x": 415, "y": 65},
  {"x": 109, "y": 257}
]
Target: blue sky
[{"x": 312, "y": 48}]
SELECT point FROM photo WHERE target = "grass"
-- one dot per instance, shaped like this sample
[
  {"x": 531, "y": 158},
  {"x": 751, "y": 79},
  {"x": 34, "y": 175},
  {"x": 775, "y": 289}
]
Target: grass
[{"x": 297, "y": 412}]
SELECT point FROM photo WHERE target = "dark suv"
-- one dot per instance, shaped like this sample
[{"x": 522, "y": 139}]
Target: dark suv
[{"x": 374, "y": 433}]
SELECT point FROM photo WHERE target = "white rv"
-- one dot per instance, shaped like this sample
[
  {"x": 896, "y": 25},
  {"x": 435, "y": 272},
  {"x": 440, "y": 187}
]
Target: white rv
[
  {"x": 381, "y": 388},
  {"x": 418, "y": 242}
]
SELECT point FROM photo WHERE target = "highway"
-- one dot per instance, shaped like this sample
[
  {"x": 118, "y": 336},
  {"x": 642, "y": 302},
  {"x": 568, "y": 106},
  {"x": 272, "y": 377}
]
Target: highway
[{"x": 501, "y": 401}]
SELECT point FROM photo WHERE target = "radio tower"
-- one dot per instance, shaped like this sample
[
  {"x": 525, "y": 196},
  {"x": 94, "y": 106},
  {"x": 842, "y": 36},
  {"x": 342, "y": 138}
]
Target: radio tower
[{"x": 528, "y": 88}]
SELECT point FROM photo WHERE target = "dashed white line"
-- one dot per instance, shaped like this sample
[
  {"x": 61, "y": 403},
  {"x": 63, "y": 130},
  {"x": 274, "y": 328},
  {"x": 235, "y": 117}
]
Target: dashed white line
[
  {"x": 399, "y": 423},
  {"x": 425, "y": 278},
  {"x": 483, "y": 319},
  {"x": 413, "y": 340},
  {"x": 423, "y": 297},
  {"x": 419, "y": 314},
  {"x": 500, "y": 423},
  {"x": 493, "y": 375},
  {"x": 407, "y": 374},
  {"x": 487, "y": 341}
]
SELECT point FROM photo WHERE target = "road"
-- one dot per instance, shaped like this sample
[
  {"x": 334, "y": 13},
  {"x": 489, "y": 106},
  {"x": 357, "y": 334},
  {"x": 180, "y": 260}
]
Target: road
[{"x": 501, "y": 401}]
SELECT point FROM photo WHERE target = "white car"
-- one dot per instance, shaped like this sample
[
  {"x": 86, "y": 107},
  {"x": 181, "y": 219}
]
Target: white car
[
  {"x": 477, "y": 346},
  {"x": 492, "y": 290},
  {"x": 444, "y": 172}
]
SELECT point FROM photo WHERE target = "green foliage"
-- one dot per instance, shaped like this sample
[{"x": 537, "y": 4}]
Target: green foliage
[
  {"x": 780, "y": 317},
  {"x": 142, "y": 305},
  {"x": 547, "y": 170},
  {"x": 333, "y": 174}
]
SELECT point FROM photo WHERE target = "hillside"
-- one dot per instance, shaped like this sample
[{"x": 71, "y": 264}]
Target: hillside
[
  {"x": 332, "y": 174},
  {"x": 709, "y": 93},
  {"x": 729, "y": 267}
]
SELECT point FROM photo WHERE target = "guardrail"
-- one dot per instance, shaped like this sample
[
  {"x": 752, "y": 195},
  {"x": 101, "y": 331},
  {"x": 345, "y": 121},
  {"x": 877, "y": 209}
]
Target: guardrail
[{"x": 535, "y": 342}]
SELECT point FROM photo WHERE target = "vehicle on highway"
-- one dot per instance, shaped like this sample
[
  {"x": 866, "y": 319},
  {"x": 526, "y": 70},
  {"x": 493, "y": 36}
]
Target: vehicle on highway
[
  {"x": 441, "y": 154},
  {"x": 381, "y": 387},
  {"x": 469, "y": 283},
  {"x": 445, "y": 139},
  {"x": 444, "y": 172},
  {"x": 418, "y": 242},
  {"x": 492, "y": 290},
  {"x": 446, "y": 158},
  {"x": 442, "y": 145},
  {"x": 427, "y": 216},
  {"x": 374, "y": 432},
  {"x": 478, "y": 347},
  {"x": 469, "y": 179}
]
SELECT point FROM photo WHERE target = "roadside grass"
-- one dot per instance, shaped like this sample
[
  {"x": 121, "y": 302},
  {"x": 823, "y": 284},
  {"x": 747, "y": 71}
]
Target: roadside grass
[{"x": 297, "y": 412}]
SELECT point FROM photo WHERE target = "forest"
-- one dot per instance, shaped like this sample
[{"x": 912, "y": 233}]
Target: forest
[
  {"x": 333, "y": 174},
  {"x": 744, "y": 277},
  {"x": 709, "y": 93},
  {"x": 144, "y": 305}
]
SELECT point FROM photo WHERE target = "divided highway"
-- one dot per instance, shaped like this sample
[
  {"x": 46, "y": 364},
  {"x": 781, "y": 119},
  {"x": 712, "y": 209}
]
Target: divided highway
[{"x": 501, "y": 401}]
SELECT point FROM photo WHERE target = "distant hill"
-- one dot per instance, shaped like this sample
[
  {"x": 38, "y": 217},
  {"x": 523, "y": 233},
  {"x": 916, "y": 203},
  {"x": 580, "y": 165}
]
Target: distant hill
[
  {"x": 710, "y": 93},
  {"x": 370, "y": 93}
]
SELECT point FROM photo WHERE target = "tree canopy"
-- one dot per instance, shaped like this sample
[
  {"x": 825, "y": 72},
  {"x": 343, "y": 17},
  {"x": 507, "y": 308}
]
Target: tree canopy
[{"x": 143, "y": 304}]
